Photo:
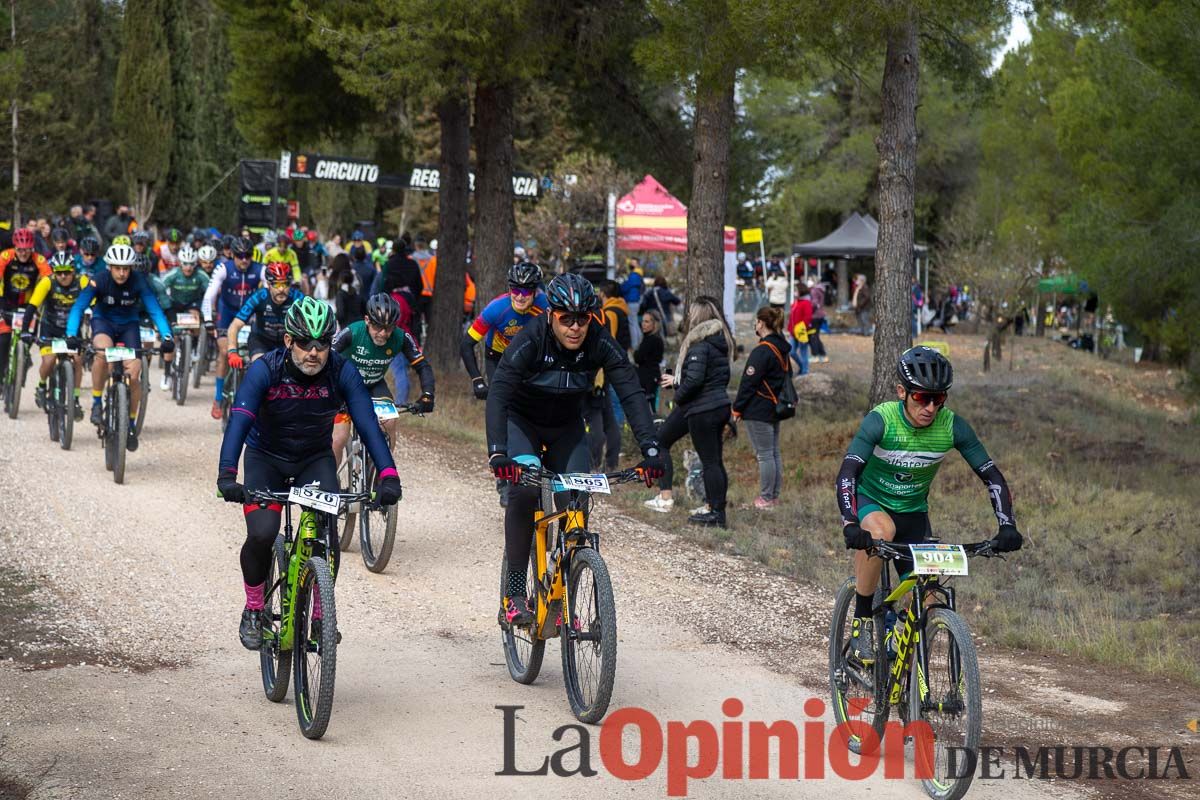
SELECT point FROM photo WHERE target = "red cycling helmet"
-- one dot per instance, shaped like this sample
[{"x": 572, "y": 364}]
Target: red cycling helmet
[
  {"x": 23, "y": 239},
  {"x": 311, "y": 235},
  {"x": 278, "y": 271}
]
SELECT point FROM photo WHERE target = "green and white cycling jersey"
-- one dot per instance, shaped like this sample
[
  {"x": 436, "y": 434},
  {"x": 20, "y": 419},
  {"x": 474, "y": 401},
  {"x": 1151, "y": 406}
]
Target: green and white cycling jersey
[
  {"x": 372, "y": 360},
  {"x": 893, "y": 463}
]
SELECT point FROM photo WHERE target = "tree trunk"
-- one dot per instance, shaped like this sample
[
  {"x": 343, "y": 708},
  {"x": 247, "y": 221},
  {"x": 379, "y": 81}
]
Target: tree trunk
[
  {"x": 445, "y": 324},
  {"x": 897, "y": 146},
  {"x": 16, "y": 161},
  {"x": 146, "y": 197},
  {"x": 495, "y": 226},
  {"x": 710, "y": 187}
]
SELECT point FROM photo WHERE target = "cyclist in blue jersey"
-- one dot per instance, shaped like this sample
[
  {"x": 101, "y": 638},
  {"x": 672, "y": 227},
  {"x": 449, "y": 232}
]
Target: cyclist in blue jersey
[
  {"x": 88, "y": 262},
  {"x": 121, "y": 294},
  {"x": 283, "y": 415},
  {"x": 269, "y": 306},
  {"x": 228, "y": 290},
  {"x": 501, "y": 320}
]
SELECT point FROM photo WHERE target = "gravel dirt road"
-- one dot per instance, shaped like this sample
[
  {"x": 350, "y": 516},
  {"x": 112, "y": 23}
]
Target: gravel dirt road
[{"x": 138, "y": 588}]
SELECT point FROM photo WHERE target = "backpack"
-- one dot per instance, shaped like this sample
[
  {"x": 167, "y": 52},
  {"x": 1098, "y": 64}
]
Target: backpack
[{"x": 785, "y": 403}]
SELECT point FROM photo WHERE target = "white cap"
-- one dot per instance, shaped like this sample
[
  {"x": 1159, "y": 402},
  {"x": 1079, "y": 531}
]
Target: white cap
[{"x": 433, "y": 245}]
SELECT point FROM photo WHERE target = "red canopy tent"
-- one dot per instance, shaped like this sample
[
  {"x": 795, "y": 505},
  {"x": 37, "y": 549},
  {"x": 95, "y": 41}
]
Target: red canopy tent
[{"x": 651, "y": 218}]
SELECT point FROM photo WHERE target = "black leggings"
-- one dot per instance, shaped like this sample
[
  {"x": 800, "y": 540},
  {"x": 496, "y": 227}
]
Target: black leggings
[
  {"x": 566, "y": 451},
  {"x": 705, "y": 428},
  {"x": 815, "y": 346},
  {"x": 262, "y": 524}
]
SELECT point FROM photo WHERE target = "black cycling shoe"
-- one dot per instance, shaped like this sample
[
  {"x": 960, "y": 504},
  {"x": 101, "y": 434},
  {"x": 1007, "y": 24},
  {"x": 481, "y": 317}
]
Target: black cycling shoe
[
  {"x": 250, "y": 631},
  {"x": 131, "y": 441},
  {"x": 39, "y": 396},
  {"x": 98, "y": 415},
  {"x": 515, "y": 611},
  {"x": 78, "y": 410}
]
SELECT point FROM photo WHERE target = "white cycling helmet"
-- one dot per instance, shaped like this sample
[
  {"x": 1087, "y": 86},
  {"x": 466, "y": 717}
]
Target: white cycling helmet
[
  {"x": 121, "y": 255},
  {"x": 207, "y": 253},
  {"x": 187, "y": 255},
  {"x": 270, "y": 238}
]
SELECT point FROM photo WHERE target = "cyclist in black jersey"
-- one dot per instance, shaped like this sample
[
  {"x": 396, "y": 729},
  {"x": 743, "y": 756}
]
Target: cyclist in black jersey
[{"x": 535, "y": 401}]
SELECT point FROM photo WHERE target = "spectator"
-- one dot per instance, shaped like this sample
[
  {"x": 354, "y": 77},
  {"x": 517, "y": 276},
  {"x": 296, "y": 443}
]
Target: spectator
[
  {"x": 758, "y": 395},
  {"x": 862, "y": 304},
  {"x": 777, "y": 288},
  {"x": 800, "y": 328},
  {"x": 701, "y": 407},
  {"x": 661, "y": 299},
  {"x": 347, "y": 298},
  {"x": 632, "y": 289},
  {"x": 360, "y": 259},
  {"x": 118, "y": 224},
  {"x": 918, "y": 302},
  {"x": 649, "y": 355},
  {"x": 604, "y": 426},
  {"x": 815, "y": 346}
]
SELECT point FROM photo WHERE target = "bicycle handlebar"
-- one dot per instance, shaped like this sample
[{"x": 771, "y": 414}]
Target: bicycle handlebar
[
  {"x": 268, "y": 496},
  {"x": 891, "y": 551},
  {"x": 539, "y": 476}
]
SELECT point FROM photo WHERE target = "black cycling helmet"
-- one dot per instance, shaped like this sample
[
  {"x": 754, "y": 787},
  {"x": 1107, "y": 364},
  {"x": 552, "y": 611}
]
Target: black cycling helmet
[
  {"x": 572, "y": 293},
  {"x": 923, "y": 369},
  {"x": 241, "y": 246},
  {"x": 90, "y": 246},
  {"x": 227, "y": 241},
  {"x": 174, "y": 236},
  {"x": 60, "y": 235},
  {"x": 140, "y": 237},
  {"x": 143, "y": 263},
  {"x": 524, "y": 274},
  {"x": 383, "y": 310}
]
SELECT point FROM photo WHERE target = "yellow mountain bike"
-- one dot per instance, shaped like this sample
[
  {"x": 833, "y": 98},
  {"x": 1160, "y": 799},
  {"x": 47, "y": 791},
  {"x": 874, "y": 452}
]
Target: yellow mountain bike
[{"x": 573, "y": 591}]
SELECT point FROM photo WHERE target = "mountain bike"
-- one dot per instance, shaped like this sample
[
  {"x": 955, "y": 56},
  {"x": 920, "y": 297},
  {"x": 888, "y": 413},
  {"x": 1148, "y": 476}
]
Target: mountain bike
[
  {"x": 376, "y": 527},
  {"x": 204, "y": 356},
  {"x": 300, "y": 615},
  {"x": 187, "y": 339},
  {"x": 149, "y": 348},
  {"x": 114, "y": 433},
  {"x": 18, "y": 367},
  {"x": 60, "y": 393},
  {"x": 925, "y": 662},
  {"x": 566, "y": 571},
  {"x": 233, "y": 377}
]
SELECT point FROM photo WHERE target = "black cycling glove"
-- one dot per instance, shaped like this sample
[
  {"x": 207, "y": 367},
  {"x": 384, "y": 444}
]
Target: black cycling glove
[
  {"x": 1008, "y": 539},
  {"x": 389, "y": 491},
  {"x": 856, "y": 538},
  {"x": 479, "y": 386},
  {"x": 229, "y": 489},
  {"x": 425, "y": 404},
  {"x": 504, "y": 468}
]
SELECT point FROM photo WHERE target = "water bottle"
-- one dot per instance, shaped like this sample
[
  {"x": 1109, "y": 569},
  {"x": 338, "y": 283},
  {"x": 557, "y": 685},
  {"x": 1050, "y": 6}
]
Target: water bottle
[{"x": 889, "y": 626}]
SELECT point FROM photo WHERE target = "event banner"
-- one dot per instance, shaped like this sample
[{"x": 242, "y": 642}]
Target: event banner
[{"x": 422, "y": 177}]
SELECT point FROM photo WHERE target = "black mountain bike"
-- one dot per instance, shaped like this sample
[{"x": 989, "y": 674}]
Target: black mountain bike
[
  {"x": 18, "y": 367},
  {"x": 188, "y": 336},
  {"x": 60, "y": 393},
  {"x": 114, "y": 433}
]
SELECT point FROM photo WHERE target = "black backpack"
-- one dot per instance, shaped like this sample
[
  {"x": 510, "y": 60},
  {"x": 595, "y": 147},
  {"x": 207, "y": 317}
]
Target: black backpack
[{"x": 785, "y": 402}]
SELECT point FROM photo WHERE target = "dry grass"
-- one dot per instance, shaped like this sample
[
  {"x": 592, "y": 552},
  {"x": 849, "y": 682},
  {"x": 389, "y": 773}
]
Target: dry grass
[{"x": 1105, "y": 471}]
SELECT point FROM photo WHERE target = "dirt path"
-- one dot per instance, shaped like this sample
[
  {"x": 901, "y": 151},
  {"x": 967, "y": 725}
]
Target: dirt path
[{"x": 143, "y": 578}]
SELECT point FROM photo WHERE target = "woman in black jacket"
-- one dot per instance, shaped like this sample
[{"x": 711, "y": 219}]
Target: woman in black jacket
[
  {"x": 700, "y": 379},
  {"x": 649, "y": 355},
  {"x": 762, "y": 383}
]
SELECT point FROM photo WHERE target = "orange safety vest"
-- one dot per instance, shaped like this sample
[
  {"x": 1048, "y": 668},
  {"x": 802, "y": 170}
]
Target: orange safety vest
[
  {"x": 428, "y": 276},
  {"x": 469, "y": 296}
]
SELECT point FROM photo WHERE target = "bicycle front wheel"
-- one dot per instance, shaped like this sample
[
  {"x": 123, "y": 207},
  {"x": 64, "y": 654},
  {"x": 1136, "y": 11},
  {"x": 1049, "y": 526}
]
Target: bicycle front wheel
[
  {"x": 315, "y": 647},
  {"x": 852, "y": 684},
  {"x": 50, "y": 406},
  {"x": 523, "y": 648},
  {"x": 945, "y": 693},
  {"x": 181, "y": 369},
  {"x": 377, "y": 535},
  {"x": 16, "y": 378},
  {"x": 144, "y": 401},
  {"x": 118, "y": 428},
  {"x": 199, "y": 359},
  {"x": 589, "y": 636},
  {"x": 65, "y": 404},
  {"x": 275, "y": 661}
]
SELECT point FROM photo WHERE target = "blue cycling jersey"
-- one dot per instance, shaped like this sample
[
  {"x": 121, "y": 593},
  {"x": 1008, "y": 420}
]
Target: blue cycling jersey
[
  {"x": 268, "y": 317},
  {"x": 228, "y": 290},
  {"x": 119, "y": 303},
  {"x": 286, "y": 414}
]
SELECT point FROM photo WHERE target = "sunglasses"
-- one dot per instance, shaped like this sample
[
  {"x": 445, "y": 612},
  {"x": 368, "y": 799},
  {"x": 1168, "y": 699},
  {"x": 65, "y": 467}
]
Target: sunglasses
[
  {"x": 245, "y": 257},
  {"x": 521, "y": 291},
  {"x": 281, "y": 284},
  {"x": 573, "y": 320},
  {"x": 925, "y": 398},
  {"x": 320, "y": 345}
]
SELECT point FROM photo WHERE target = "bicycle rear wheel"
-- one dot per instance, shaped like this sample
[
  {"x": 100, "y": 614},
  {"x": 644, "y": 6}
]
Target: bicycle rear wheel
[
  {"x": 315, "y": 659},
  {"x": 199, "y": 359},
  {"x": 853, "y": 685},
  {"x": 377, "y": 533},
  {"x": 589, "y": 636},
  {"x": 274, "y": 661},
  {"x": 66, "y": 404},
  {"x": 231, "y": 387},
  {"x": 350, "y": 479},
  {"x": 523, "y": 648},
  {"x": 49, "y": 405},
  {"x": 118, "y": 428},
  {"x": 946, "y": 695}
]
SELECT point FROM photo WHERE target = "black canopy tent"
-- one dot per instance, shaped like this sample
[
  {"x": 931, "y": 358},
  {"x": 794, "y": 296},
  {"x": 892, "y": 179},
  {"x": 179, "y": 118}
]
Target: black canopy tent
[{"x": 857, "y": 237}]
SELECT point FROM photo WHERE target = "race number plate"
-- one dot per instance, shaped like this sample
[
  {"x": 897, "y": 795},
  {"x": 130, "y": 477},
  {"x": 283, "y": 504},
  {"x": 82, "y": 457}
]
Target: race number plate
[
  {"x": 939, "y": 559},
  {"x": 243, "y": 336},
  {"x": 60, "y": 346},
  {"x": 385, "y": 409},
  {"x": 147, "y": 335},
  {"x": 187, "y": 319},
  {"x": 312, "y": 497},
  {"x": 583, "y": 482},
  {"x": 18, "y": 319},
  {"x": 112, "y": 354}
]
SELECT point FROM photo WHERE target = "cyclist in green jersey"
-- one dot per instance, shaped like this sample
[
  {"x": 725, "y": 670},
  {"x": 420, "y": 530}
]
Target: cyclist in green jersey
[
  {"x": 371, "y": 344},
  {"x": 883, "y": 486}
]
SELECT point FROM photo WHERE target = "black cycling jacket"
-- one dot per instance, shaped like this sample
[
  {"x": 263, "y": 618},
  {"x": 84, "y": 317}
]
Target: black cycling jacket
[{"x": 546, "y": 384}]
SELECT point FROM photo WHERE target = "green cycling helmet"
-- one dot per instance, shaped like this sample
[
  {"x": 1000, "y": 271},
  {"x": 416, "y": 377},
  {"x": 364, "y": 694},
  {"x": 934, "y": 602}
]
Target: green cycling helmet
[{"x": 309, "y": 318}]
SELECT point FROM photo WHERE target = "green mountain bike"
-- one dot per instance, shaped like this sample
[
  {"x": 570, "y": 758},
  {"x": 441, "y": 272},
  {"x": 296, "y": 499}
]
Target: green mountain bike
[
  {"x": 300, "y": 616},
  {"x": 925, "y": 663},
  {"x": 18, "y": 366}
]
